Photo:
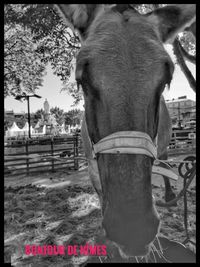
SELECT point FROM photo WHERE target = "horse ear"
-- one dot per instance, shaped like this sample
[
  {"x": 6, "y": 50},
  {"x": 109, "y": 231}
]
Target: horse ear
[
  {"x": 77, "y": 16},
  {"x": 173, "y": 19}
]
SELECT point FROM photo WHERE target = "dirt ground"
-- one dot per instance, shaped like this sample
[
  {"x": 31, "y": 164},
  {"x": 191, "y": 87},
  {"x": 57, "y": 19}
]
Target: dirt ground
[{"x": 62, "y": 208}]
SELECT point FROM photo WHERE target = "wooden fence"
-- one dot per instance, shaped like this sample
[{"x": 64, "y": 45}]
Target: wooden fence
[
  {"x": 49, "y": 154},
  {"x": 182, "y": 142},
  {"x": 53, "y": 154}
]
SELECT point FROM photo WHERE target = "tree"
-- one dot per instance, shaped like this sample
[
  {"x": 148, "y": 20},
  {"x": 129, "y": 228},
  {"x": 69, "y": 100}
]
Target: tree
[
  {"x": 39, "y": 114},
  {"x": 23, "y": 69},
  {"x": 35, "y": 35},
  {"x": 20, "y": 121},
  {"x": 73, "y": 117},
  {"x": 59, "y": 114},
  {"x": 7, "y": 124},
  {"x": 72, "y": 89}
]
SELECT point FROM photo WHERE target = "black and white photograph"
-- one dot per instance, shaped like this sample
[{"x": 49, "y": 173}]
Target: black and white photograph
[{"x": 99, "y": 134}]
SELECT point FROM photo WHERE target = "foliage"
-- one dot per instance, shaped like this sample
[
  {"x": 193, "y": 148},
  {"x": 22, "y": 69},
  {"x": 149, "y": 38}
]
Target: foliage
[
  {"x": 35, "y": 36},
  {"x": 73, "y": 117},
  {"x": 59, "y": 114},
  {"x": 188, "y": 42},
  {"x": 74, "y": 91},
  {"x": 39, "y": 114},
  {"x": 20, "y": 121},
  {"x": 7, "y": 124},
  {"x": 23, "y": 69}
]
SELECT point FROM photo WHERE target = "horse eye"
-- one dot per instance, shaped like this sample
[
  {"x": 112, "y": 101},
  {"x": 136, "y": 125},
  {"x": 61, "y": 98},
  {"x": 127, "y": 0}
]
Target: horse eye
[{"x": 82, "y": 84}]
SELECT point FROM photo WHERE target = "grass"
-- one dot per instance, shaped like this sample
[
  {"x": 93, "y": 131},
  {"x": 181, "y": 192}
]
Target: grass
[{"x": 71, "y": 215}]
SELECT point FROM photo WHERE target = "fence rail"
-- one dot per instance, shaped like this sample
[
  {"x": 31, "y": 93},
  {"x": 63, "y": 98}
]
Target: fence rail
[
  {"x": 42, "y": 155},
  {"x": 182, "y": 142},
  {"x": 67, "y": 153}
]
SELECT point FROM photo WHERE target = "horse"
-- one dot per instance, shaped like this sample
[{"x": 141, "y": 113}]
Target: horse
[{"x": 123, "y": 68}]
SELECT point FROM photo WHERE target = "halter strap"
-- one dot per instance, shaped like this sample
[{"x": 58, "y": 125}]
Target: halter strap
[{"x": 126, "y": 142}]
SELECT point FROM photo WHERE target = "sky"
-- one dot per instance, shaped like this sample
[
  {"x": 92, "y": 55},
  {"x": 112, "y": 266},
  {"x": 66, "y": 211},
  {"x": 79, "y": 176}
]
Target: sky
[{"x": 52, "y": 86}]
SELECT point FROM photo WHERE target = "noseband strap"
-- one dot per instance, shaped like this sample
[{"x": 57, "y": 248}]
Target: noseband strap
[{"x": 126, "y": 142}]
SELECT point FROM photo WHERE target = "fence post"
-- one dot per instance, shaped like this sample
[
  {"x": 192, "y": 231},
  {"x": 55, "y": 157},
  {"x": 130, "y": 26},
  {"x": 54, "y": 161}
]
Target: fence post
[
  {"x": 175, "y": 143},
  {"x": 27, "y": 159},
  {"x": 52, "y": 154},
  {"x": 76, "y": 167}
]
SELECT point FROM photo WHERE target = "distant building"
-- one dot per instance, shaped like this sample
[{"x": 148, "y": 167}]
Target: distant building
[
  {"x": 10, "y": 114},
  {"x": 181, "y": 110}
]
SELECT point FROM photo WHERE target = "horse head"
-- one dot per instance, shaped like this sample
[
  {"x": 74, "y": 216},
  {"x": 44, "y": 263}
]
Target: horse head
[{"x": 123, "y": 68}]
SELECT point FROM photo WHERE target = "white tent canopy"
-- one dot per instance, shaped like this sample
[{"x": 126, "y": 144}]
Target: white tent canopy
[
  {"x": 37, "y": 125},
  {"x": 25, "y": 128},
  {"x": 14, "y": 130},
  {"x": 14, "y": 127}
]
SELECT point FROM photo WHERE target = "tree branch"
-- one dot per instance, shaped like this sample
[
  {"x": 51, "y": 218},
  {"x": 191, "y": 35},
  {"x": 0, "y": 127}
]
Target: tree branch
[
  {"x": 9, "y": 27},
  {"x": 9, "y": 48},
  {"x": 184, "y": 68},
  {"x": 69, "y": 43},
  {"x": 9, "y": 73}
]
